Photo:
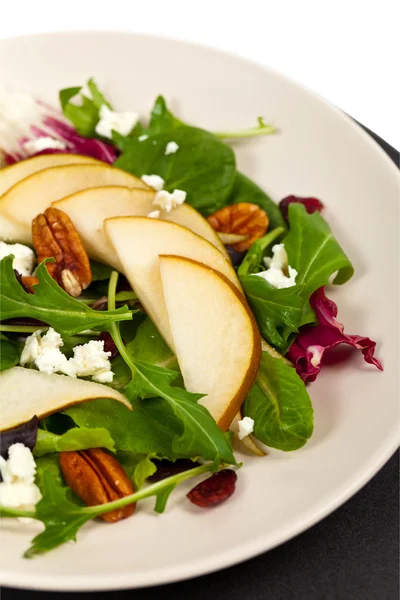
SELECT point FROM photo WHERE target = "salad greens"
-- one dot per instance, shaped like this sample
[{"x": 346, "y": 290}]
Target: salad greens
[{"x": 167, "y": 421}]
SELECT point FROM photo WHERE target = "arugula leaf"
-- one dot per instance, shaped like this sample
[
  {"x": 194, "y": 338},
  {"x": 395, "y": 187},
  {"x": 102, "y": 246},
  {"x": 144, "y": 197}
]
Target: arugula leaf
[
  {"x": 100, "y": 272},
  {"x": 201, "y": 435},
  {"x": 63, "y": 515},
  {"x": 73, "y": 439},
  {"x": 85, "y": 117},
  {"x": 9, "y": 353},
  {"x": 276, "y": 311},
  {"x": 138, "y": 467},
  {"x": 262, "y": 128},
  {"x": 50, "y": 303},
  {"x": 280, "y": 405},
  {"x": 313, "y": 251},
  {"x": 252, "y": 262},
  {"x": 245, "y": 190},
  {"x": 203, "y": 166},
  {"x": 149, "y": 346}
]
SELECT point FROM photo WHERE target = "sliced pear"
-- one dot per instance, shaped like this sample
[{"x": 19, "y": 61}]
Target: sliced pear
[
  {"x": 11, "y": 175},
  {"x": 89, "y": 208},
  {"x": 139, "y": 241},
  {"x": 35, "y": 193},
  {"x": 217, "y": 342},
  {"x": 25, "y": 393},
  {"x": 10, "y": 231},
  {"x": 232, "y": 238}
]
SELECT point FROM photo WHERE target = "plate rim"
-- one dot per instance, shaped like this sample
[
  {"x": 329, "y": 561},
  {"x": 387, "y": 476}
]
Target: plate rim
[{"x": 310, "y": 517}]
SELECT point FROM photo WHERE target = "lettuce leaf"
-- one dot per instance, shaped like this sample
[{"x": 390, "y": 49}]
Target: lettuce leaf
[{"x": 73, "y": 439}]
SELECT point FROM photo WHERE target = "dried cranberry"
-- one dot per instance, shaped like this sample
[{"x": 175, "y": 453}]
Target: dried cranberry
[
  {"x": 166, "y": 468},
  {"x": 109, "y": 345},
  {"x": 214, "y": 490},
  {"x": 235, "y": 256},
  {"x": 311, "y": 204}
]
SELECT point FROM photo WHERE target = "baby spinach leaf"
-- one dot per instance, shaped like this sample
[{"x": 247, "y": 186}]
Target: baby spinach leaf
[
  {"x": 276, "y": 311},
  {"x": 50, "y": 303},
  {"x": 245, "y": 190},
  {"x": 9, "y": 353},
  {"x": 203, "y": 166},
  {"x": 313, "y": 251},
  {"x": 252, "y": 262},
  {"x": 280, "y": 406},
  {"x": 85, "y": 117},
  {"x": 74, "y": 439},
  {"x": 161, "y": 118}
]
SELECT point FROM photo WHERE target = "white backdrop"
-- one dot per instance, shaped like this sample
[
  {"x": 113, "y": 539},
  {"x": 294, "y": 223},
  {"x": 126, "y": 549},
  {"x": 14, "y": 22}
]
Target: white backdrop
[{"x": 346, "y": 50}]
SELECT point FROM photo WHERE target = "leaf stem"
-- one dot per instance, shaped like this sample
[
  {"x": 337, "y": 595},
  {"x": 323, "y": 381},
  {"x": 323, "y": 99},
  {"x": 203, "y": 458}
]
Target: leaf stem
[
  {"x": 261, "y": 129},
  {"x": 114, "y": 327},
  {"x": 6, "y": 511},
  {"x": 33, "y": 328}
]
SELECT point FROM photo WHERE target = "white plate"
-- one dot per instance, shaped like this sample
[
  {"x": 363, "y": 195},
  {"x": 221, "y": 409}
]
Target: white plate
[{"x": 319, "y": 152}]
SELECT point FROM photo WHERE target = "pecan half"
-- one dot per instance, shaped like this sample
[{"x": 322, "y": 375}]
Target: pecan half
[
  {"x": 54, "y": 235},
  {"x": 242, "y": 218},
  {"x": 97, "y": 478}
]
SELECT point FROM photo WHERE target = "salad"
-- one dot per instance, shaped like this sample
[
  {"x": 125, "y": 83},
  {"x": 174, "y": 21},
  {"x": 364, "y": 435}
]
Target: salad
[{"x": 159, "y": 312}]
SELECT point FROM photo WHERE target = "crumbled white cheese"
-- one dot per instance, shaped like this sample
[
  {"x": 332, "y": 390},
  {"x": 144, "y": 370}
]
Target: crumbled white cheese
[
  {"x": 18, "y": 489},
  {"x": 143, "y": 137},
  {"x": 154, "y": 181},
  {"x": 90, "y": 360},
  {"x": 110, "y": 121},
  {"x": 171, "y": 148},
  {"x": 246, "y": 427},
  {"x": 167, "y": 201},
  {"x": 24, "y": 257},
  {"x": 44, "y": 352},
  {"x": 43, "y": 143},
  {"x": 278, "y": 264},
  {"x": 155, "y": 214}
]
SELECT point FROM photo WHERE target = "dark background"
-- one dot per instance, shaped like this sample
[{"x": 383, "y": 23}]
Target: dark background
[{"x": 351, "y": 555}]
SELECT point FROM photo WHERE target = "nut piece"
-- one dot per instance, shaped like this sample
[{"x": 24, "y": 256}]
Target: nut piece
[
  {"x": 97, "y": 478},
  {"x": 242, "y": 218},
  {"x": 54, "y": 235}
]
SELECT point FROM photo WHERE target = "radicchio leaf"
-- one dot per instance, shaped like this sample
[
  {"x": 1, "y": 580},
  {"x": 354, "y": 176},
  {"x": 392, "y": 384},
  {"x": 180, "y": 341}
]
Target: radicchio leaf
[
  {"x": 309, "y": 347},
  {"x": 25, "y": 434},
  {"x": 311, "y": 204}
]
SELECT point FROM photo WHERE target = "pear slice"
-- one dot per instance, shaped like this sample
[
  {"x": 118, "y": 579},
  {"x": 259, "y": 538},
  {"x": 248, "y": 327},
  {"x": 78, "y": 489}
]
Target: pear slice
[
  {"x": 217, "y": 342},
  {"x": 11, "y": 175},
  {"x": 139, "y": 241},
  {"x": 25, "y": 393},
  {"x": 89, "y": 208},
  {"x": 31, "y": 196}
]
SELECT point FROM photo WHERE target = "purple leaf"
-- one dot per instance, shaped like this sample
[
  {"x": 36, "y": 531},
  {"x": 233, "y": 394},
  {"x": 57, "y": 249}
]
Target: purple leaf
[{"x": 25, "y": 434}]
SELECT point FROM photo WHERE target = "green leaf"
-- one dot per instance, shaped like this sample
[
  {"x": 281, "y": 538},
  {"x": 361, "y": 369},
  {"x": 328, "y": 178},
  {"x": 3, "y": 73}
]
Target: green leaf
[
  {"x": 138, "y": 467},
  {"x": 161, "y": 118},
  {"x": 149, "y": 346},
  {"x": 162, "y": 498},
  {"x": 50, "y": 303},
  {"x": 245, "y": 190},
  {"x": 133, "y": 431},
  {"x": 201, "y": 435},
  {"x": 276, "y": 311},
  {"x": 84, "y": 118},
  {"x": 100, "y": 272},
  {"x": 280, "y": 406},
  {"x": 73, "y": 439},
  {"x": 203, "y": 166},
  {"x": 313, "y": 251},
  {"x": 252, "y": 262},
  {"x": 9, "y": 353}
]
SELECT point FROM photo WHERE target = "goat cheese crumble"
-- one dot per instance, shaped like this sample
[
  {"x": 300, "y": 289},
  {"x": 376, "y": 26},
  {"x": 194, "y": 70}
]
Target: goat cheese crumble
[
  {"x": 154, "y": 181},
  {"x": 89, "y": 360},
  {"x": 43, "y": 143},
  {"x": 171, "y": 148},
  {"x": 167, "y": 200},
  {"x": 24, "y": 257},
  {"x": 18, "y": 488},
  {"x": 277, "y": 265},
  {"x": 155, "y": 214},
  {"x": 110, "y": 121},
  {"x": 246, "y": 427}
]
